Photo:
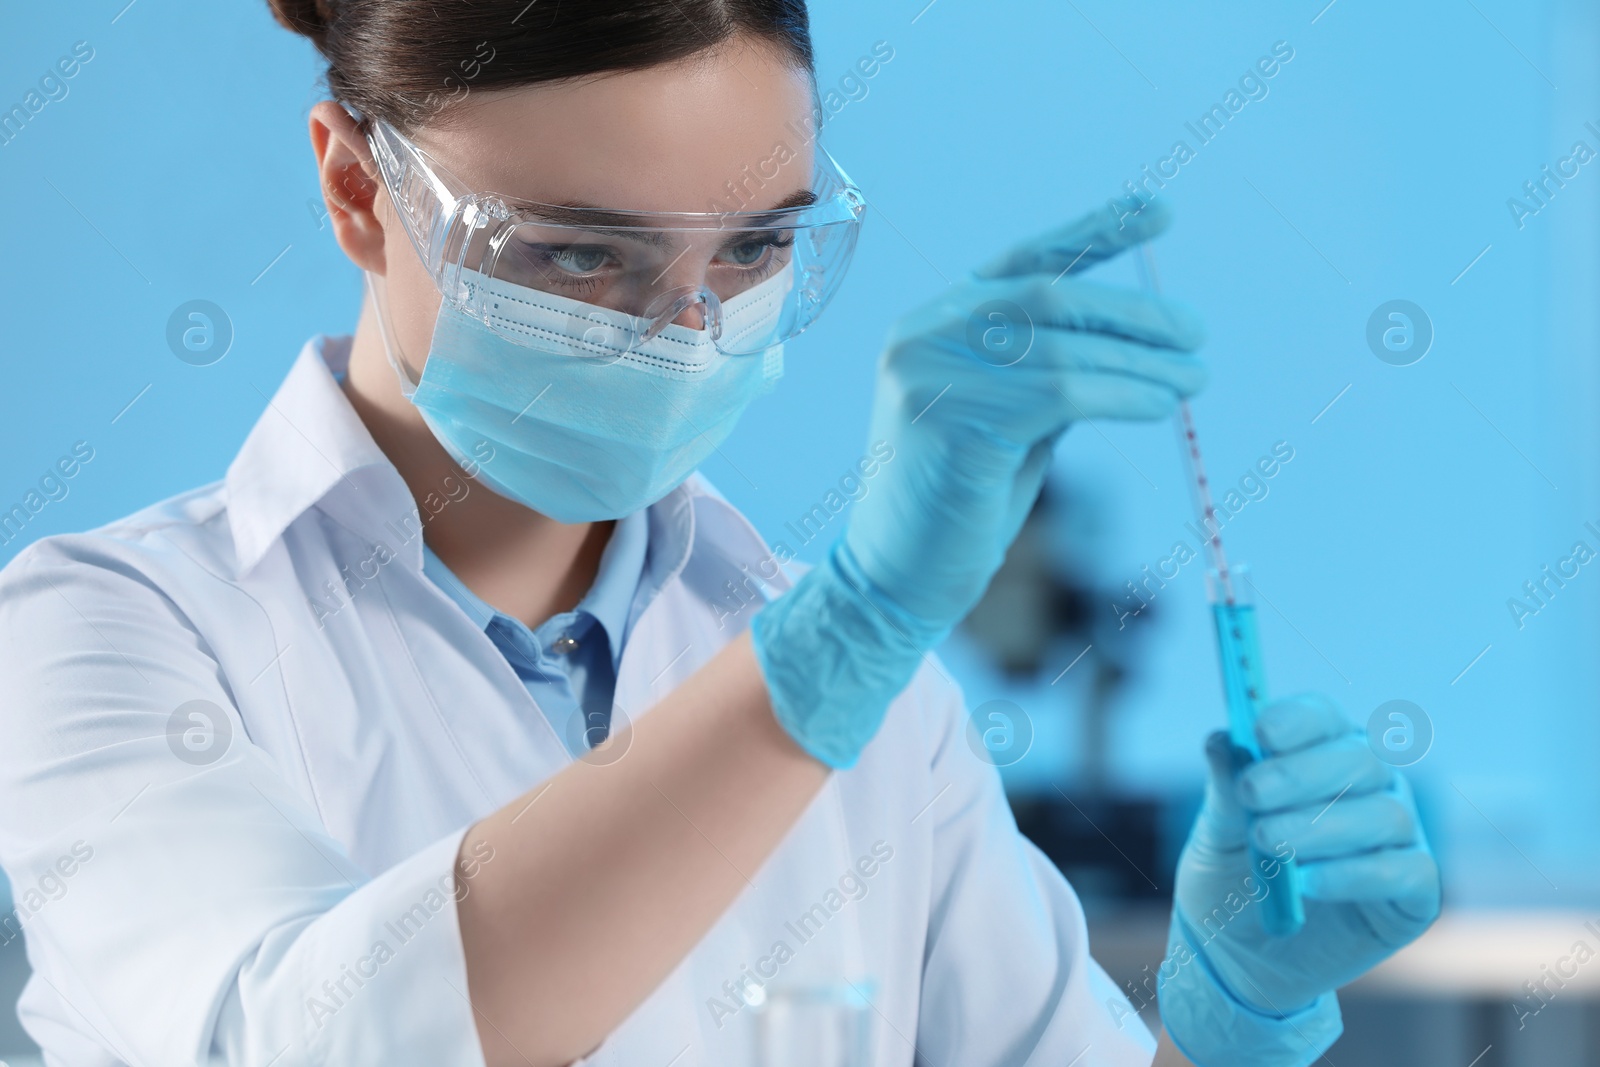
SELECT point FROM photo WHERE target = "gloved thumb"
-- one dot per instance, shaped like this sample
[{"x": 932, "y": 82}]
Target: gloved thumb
[{"x": 1222, "y": 819}]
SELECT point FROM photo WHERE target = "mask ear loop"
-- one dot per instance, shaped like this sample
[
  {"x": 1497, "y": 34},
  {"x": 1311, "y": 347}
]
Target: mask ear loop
[
  {"x": 391, "y": 345},
  {"x": 408, "y": 386},
  {"x": 380, "y": 306}
]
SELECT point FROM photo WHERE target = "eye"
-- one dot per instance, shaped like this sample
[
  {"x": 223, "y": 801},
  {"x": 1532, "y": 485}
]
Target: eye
[
  {"x": 578, "y": 259},
  {"x": 748, "y": 253},
  {"x": 752, "y": 250}
]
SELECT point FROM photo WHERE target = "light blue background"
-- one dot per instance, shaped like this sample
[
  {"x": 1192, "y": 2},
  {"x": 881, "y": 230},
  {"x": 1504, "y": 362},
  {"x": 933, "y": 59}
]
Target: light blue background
[{"x": 1377, "y": 168}]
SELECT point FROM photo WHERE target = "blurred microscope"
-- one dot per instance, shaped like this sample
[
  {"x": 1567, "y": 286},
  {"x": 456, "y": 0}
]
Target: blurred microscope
[{"x": 1053, "y": 600}]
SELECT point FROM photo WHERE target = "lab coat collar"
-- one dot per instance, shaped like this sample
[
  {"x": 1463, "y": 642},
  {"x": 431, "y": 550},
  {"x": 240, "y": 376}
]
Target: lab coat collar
[
  {"x": 307, "y": 441},
  {"x": 309, "y": 445}
]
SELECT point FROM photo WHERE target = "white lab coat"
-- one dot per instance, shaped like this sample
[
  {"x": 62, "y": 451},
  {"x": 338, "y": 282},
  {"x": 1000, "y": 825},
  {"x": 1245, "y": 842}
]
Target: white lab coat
[{"x": 189, "y": 897}]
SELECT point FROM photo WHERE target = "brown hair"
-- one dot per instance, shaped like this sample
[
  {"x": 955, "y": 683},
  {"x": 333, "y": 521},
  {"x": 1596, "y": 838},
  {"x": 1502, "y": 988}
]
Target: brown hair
[{"x": 406, "y": 61}]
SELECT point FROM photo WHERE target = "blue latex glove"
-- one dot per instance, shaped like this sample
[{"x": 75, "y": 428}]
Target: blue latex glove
[
  {"x": 1230, "y": 993},
  {"x": 974, "y": 389}
]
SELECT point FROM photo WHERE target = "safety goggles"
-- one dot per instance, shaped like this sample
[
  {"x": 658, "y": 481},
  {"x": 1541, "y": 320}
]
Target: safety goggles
[{"x": 487, "y": 253}]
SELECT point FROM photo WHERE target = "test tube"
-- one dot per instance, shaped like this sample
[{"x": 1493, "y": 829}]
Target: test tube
[{"x": 1244, "y": 683}]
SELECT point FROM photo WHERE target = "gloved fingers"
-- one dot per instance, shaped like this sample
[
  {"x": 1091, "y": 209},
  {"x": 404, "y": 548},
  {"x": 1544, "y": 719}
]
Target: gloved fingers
[
  {"x": 1300, "y": 721},
  {"x": 1063, "y": 378},
  {"x": 998, "y": 330},
  {"x": 1089, "y": 307},
  {"x": 1344, "y": 826},
  {"x": 1407, "y": 874},
  {"x": 1062, "y": 352},
  {"x": 1108, "y": 396},
  {"x": 1343, "y": 766},
  {"x": 1078, "y": 245},
  {"x": 999, "y": 421}
]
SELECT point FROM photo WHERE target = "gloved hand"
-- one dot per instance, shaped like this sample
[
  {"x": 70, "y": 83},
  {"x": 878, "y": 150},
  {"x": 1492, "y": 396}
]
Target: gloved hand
[
  {"x": 1233, "y": 995},
  {"x": 974, "y": 389}
]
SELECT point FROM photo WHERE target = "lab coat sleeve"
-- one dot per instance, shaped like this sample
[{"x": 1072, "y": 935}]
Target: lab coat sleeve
[
  {"x": 1007, "y": 975},
  {"x": 181, "y": 903}
]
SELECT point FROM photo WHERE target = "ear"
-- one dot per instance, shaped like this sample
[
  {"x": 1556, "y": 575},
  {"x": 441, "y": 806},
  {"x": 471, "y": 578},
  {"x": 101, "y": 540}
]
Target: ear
[{"x": 350, "y": 184}]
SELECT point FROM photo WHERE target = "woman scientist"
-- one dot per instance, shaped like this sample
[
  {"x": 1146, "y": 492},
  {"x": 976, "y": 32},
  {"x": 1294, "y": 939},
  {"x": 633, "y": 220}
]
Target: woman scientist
[{"x": 463, "y": 723}]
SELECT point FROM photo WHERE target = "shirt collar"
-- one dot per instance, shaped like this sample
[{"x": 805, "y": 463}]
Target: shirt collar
[
  {"x": 609, "y": 600},
  {"x": 621, "y": 568}
]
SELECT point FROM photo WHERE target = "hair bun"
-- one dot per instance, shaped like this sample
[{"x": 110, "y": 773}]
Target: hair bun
[{"x": 308, "y": 17}]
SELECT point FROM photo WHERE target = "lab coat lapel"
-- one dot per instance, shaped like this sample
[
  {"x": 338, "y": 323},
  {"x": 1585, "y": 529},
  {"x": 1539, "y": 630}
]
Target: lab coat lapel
[{"x": 470, "y": 730}]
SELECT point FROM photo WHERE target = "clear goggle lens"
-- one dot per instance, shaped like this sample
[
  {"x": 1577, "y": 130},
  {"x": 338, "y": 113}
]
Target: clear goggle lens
[{"x": 752, "y": 280}]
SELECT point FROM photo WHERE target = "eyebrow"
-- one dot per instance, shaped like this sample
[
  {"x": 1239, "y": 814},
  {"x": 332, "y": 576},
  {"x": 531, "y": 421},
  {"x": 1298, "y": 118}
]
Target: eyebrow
[{"x": 594, "y": 219}]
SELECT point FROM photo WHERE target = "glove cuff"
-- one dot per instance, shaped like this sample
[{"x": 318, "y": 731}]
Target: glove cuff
[
  {"x": 834, "y": 652},
  {"x": 1213, "y": 1028}
]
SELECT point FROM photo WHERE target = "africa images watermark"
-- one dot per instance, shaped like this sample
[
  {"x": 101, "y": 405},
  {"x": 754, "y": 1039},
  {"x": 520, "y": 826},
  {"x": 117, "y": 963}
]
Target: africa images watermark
[
  {"x": 404, "y": 928},
  {"x": 1537, "y": 193},
  {"x": 742, "y": 193},
  {"x": 1540, "y": 992},
  {"x": 52, "y": 486},
  {"x": 1142, "y": 994},
  {"x": 1252, "y": 486},
  {"x": 853, "y": 486},
  {"x": 337, "y": 595},
  {"x": 48, "y": 888},
  {"x": 1537, "y": 593},
  {"x": 1205, "y": 129},
  {"x": 52, "y": 87}
]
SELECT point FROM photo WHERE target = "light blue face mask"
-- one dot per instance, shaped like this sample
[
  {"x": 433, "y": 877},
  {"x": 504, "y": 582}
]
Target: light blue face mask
[{"x": 573, "y": 424}]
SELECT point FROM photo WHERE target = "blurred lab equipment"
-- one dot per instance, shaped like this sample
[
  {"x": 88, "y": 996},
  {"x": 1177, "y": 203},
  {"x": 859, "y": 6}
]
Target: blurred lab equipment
[
  {"x": 1050, "y": 598},
  {"x": 815, "y": 1026}
]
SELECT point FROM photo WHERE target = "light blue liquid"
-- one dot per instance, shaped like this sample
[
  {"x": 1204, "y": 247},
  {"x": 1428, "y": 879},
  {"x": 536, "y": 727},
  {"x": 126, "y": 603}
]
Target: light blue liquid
[{"x": 1282, "y": 913}]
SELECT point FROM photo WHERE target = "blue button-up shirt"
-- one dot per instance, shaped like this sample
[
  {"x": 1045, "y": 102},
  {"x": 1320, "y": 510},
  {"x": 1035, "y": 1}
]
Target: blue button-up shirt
[{"x": 569, "y": 662}]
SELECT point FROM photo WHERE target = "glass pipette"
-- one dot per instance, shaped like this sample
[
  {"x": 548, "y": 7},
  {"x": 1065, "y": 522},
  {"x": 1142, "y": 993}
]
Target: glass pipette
[{"x": 1243, "y": 682}]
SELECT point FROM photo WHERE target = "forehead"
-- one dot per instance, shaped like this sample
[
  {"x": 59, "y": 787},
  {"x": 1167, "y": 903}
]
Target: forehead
[{"x": 665, "y": 138}]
